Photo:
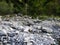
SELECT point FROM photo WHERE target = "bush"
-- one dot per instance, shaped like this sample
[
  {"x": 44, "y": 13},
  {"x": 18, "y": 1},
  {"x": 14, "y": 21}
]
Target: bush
[{"x": 5, "y": 8}]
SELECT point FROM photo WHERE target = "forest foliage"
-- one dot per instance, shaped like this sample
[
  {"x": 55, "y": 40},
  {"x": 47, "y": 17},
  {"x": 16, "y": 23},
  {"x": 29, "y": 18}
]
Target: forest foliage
[{"x": 30, "y": 7}]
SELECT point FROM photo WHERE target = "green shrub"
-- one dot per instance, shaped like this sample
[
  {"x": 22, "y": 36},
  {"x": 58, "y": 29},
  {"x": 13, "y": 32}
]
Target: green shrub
[{"x": 5, "y": 8}]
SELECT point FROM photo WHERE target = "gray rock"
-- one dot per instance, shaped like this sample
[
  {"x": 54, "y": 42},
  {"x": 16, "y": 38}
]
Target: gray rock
[{"x": 47, "y": 29}]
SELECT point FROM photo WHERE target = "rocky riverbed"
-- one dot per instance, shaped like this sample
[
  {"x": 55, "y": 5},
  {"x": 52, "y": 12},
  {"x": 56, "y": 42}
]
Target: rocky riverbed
[{"x": 26, "y": 31}]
